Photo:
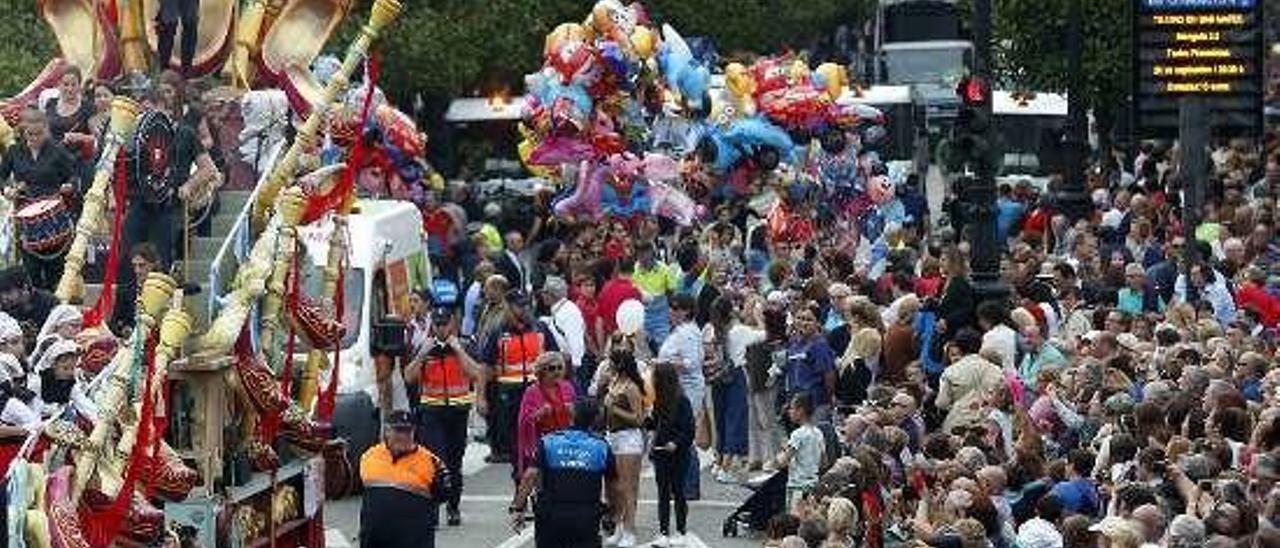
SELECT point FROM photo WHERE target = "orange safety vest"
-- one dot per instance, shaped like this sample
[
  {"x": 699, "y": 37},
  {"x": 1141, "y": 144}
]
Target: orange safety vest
[
  {"x": 445, "y": 382},
  {"x": 516, "y": 354},
  {"x": 415, "y": 472}
]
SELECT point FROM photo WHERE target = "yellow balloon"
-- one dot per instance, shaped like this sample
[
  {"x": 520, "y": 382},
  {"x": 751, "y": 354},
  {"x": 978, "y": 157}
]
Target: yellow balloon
[
  {"x": 524, "y": 149},
  {"x": 836, "y": 78},
  {"x": 565, "y": 32},
  {"x": 739, "y": 81},
  {"x": 644, "y": 42}
]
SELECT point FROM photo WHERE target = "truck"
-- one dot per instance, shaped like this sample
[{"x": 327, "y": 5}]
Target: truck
[{"x": 922, "y": 44}]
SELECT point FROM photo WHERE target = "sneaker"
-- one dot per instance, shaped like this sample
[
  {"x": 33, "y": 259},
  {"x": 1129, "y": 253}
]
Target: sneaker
[
  {"x": 614, "y": 538},
  {"x": 628, "y": 540},
  {"x": 455, "y": 517},
  {"x": 677, "y": 540},
  {"x": 724, "y": 476},
  {"x": 660, "y": 541}
]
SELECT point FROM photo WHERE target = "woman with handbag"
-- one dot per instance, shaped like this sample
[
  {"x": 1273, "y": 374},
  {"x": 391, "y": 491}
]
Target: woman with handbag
[{"x": 725, "y": 340}]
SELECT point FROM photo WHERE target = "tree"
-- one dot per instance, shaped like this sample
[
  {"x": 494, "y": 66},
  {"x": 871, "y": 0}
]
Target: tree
[
  {"x": 27, "y": 45},
  {"x": 1030, "y": 49}
]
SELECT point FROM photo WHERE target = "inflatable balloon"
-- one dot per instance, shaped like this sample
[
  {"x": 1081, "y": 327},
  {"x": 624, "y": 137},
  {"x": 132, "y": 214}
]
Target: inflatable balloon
[
  {"x": 673, "y": 204},
  {"x": 644, "y": 42},
  {"x": 681, "y": 71},
  {"x": 725, "y": 149},
  {"x": 584, "y": 201},
  {"x": 562, "y": 34},
  {"x": 741, "y": 86},
  {"x": 630, "y": 317},
  {"x": 880, "y": 189},
  {"x": 613, "y": 21},
  {"x": 832, "y": 79}
]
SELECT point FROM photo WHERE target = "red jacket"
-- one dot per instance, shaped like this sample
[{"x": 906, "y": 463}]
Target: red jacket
[
  {"x": 612, "y": 295},
  {"x": 1255, "y": 298}
]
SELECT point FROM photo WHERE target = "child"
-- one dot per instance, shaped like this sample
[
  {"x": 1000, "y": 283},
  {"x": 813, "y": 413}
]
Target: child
[{"x": 802, "y": 455}]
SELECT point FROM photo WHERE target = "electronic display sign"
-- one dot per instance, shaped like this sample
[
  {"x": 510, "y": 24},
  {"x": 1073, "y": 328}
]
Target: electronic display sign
[{"x": 1209, "y": 48}]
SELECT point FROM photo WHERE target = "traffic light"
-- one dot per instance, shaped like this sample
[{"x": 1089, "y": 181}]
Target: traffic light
[{"x": 971, "y": 136}]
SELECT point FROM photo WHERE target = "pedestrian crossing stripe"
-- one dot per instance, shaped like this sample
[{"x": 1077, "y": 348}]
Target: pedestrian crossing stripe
[{"x": 526, "y": 535}]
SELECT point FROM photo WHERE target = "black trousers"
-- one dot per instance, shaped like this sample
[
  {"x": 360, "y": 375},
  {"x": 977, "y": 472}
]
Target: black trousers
[
  {"x": 504, "y": 414},
  {"x": 443, "y": 429},
  {"x": 44, "y": 272},
  {"x": 159, "y": 225},
  {"x": 669, "y": 471},
  {"x": 565, "y": 529},
  {"x": 172, "y": 13}
]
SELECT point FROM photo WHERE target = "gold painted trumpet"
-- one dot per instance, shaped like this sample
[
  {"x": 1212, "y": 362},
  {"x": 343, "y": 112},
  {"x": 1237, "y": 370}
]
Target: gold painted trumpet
[{"x": 124, "y": 116}]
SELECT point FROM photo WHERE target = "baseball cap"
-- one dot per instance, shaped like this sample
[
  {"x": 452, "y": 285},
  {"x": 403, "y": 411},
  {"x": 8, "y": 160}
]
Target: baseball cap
[{"x": 399, "y": 420}]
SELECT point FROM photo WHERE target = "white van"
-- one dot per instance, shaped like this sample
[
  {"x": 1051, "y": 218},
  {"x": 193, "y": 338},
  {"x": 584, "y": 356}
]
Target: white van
[{"x": 388, "y": 260}]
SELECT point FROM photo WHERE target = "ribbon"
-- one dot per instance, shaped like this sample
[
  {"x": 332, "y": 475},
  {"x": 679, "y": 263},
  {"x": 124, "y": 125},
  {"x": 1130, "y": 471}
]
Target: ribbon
[
  {"x": 105, "y": 304},
  {"x": 327, "y": 401},
  {"x": 286, "y": 376},
  {"x": 320, "y": 203},
  {"x": 102, "y": 526}
]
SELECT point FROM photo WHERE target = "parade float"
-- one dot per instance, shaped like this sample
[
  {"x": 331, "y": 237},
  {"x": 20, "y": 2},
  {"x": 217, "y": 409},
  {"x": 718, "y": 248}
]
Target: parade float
[{"x": 201, "y": 429}]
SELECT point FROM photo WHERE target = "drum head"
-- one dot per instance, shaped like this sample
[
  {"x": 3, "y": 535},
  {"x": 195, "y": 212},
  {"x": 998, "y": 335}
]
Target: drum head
[
  {"x": 151, "y": 156},
  {"x": 39, "y": 208}
]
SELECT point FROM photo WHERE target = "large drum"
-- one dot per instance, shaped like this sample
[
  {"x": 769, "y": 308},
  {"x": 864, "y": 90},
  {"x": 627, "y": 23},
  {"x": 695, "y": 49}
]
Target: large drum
[{"x": 45, "y": 226}]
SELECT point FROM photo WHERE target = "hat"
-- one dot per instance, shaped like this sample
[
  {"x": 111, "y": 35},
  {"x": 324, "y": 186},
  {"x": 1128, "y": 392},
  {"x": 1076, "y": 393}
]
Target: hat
[
  {"x": 1128, "y": 341},
  {"x": 9, "y": 327},
  {"x": 399, "y": 419},
  {"x": 1038, "y": 533},
  {"x": 1119, "y": 404},
  {"x": 1114, "y": 528}
]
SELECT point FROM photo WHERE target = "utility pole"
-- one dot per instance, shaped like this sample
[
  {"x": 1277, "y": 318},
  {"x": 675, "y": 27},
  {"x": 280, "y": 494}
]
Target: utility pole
[
  {"x": 980, "y": 190},
  {"x": 1193, "y": 165},
  {"x": 1072, "y": 199}
]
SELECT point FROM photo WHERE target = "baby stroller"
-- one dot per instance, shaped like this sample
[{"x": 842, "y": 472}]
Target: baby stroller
[{"x": 768, "y": 500}]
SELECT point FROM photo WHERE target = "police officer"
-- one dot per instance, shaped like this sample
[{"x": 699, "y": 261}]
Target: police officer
[
  {"x": 568, "y": 472},
  {"x": 444, "y": 373},
  {"x": 402, "y": 488}
]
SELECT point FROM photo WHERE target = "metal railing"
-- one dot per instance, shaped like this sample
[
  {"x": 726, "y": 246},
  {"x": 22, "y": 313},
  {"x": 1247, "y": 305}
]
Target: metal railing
[{"x": 239, "y": 240}]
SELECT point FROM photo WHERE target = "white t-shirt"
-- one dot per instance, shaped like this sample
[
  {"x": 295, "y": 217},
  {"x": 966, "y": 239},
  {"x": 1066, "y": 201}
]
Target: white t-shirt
[{"x": 807, "y": 445}]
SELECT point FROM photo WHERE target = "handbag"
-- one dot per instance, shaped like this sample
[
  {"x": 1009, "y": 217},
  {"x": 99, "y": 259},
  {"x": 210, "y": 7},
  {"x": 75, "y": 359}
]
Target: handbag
[{"x": 715, "y": 368}]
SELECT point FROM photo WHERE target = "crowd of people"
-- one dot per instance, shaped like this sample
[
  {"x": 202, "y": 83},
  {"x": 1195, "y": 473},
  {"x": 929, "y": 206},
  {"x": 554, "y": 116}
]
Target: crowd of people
[{"x": 1123, "y": 393}]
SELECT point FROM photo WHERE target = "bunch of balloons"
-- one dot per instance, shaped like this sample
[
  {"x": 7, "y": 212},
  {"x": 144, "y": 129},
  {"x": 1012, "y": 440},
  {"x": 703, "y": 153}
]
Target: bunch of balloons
[{"x": 626, "y": 112}]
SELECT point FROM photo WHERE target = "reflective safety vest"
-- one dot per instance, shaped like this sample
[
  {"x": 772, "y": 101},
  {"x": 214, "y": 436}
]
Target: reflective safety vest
[
  {"x": 445, "y": 382},
  {"x": 414, "y": 473},
  {"x": 516, "y": 354}
]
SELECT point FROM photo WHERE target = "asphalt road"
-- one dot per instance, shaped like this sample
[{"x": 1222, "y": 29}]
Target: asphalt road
[{"x": 487, "y": 493}]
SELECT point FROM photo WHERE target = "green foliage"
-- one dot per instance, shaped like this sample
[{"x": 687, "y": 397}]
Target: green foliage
[
  {"x": 453, "y": 47},
  {"x": 1030, "y": 47},
  {"x": 25, "y": 45}
]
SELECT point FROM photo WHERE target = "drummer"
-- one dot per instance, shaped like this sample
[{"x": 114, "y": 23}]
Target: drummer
[{"x": 36, "y": 169}]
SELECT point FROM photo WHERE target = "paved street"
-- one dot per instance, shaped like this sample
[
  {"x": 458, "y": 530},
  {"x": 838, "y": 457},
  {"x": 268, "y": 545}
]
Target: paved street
[{"x": 488, "y": 492}]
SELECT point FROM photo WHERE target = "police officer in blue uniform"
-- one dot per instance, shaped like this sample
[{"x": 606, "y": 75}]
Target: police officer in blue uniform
[{"x": 568, "y": 472}]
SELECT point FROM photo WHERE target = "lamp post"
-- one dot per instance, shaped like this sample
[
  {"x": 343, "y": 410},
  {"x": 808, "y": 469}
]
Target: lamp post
[
  {"x": 976, "y": 138},
  {"x": 1072, "y": 199}
]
